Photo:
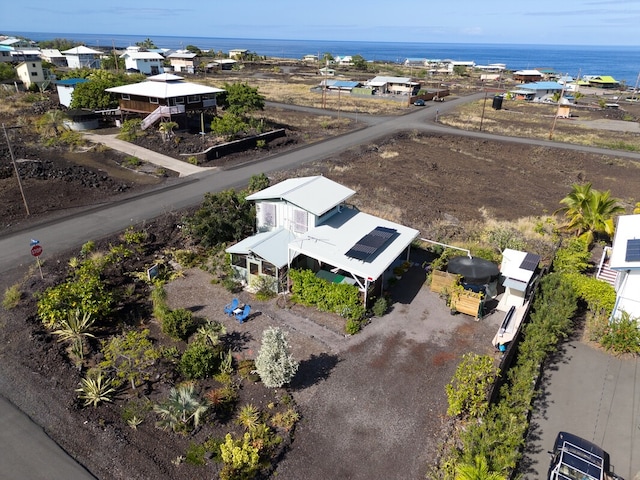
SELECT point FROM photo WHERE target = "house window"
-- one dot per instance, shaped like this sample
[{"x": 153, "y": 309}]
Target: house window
[
  {"x": 180, "y": 100},
  {"x": 153, "y": 100},
  {"x": 268, "y": 214},
  {"x": 299, "y": 221},
  {"x": 34, "y": 74},
  {"x": 33, "y": 65},
  {"x": 193, "y": 98},
  {"x": 239, "y": 260},
  {"x": 254, "y": 268},
  {"x": 269, "y": 269},
  {"x": 125, "y": 96}
]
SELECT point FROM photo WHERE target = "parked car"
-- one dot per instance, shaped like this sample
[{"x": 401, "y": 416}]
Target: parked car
[
  {"x": 574, "y": 458},
  {"x": 419, "y": 103}
]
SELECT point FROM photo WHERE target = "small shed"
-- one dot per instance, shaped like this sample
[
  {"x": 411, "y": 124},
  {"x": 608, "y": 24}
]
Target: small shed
[
  {"x": 66, "y": 88},
  {"x": 518, "y": 271}
]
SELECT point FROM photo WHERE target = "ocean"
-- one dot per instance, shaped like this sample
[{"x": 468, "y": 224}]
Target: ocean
[{"x": 621, "y": 62}]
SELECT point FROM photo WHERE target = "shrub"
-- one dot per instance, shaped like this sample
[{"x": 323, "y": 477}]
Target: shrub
[
  {"x": 193, "y": 160},
  {"x": 240, "y": 457},
  {"x": 351, "y": 326},
  {"x": 178, "y": 324},
  {"x": 132, "y": 161},
  {"x": 131, "y": 356},
  {"x": 12, "y": 297},
  {"x": 623, "y": 335},
  {"x": 468, "y": 390},
  {"x": 380, "y": 307},
  {"x": 342, "y": 299},
  {"x": 275, "y": 365},
  {"x": 264, "y": 287},
  {"x": 195, "y": 454},
  {"x": 95, "y": 389},
  {"x": 199, "y": 361}
]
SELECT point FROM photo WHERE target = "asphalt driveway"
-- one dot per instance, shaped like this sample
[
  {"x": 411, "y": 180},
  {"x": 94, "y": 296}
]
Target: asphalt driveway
[{"x": 591, "y": 394}]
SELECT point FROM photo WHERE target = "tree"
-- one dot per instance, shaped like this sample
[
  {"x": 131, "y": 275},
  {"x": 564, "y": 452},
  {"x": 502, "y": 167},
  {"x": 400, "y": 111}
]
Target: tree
[
  {"x": 589, "y": 212},
  {"x": 181, "y": 408},
  {"x": 193, "y": 49},
  {"x": 57, "y": 43},
  {"x": 258, "y": 182},
  {"x": 112, "y": 62},
  {"x": 275, "y": 365},
  {"x": 51, "y": 124},
  {"x": 327, "y": 58},
  {"x": 147, "y": 43},
  {"x": 228, "y": 125},
  {"x": 240, "y": 98},
  {"x": 166, "y": 129},
  {"x": 7, "y": 72},
  {"x": 460, "y": 70},
  {"x": 223, "y": 217},
  {"x": 359, "y": 63},
  {"x": 478, "y": 470},
  {"x": 131, "y": 356}
]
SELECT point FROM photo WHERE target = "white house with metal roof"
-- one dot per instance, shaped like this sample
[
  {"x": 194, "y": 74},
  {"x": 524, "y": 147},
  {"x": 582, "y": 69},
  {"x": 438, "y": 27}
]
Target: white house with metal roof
[
  {"x": 394, "y": 85},
  {"x": 305, "y": 223},
  {"x": 81, "y": 57},
  {"x": 625, "y": 259},
  {"x": 149, "y": 63}
]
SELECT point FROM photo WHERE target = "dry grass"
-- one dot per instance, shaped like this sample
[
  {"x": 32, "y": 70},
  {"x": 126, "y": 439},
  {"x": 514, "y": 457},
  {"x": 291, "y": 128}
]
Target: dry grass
[{"x": 525, "y": 119}]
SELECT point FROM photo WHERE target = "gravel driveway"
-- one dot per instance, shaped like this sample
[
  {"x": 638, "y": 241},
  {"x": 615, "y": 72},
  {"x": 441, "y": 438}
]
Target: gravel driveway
[{"x": 372, "y": 404}]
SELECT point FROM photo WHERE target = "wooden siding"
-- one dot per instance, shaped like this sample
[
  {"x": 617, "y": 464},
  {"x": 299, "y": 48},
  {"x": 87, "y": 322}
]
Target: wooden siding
[{"x": 143, "y": 105}]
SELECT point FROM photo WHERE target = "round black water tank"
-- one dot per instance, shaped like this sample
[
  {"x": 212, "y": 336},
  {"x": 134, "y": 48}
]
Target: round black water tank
[{"x": 497, "y": 102}]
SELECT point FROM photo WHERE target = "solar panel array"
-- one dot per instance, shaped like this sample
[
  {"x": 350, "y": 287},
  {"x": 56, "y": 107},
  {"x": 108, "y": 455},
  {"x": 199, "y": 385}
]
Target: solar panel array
[
  {"x": 530, "y": 262},
  {"x": 633, "y": 250},
  {"x": 371, "y": 243}
]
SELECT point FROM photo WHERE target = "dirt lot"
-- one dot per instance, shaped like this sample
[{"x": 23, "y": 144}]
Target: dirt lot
[{"x": 394, "y": 372}]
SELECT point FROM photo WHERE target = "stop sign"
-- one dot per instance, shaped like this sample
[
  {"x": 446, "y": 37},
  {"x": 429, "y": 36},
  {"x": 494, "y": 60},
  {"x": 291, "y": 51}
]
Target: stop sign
[{"x": 36, "y": 250}]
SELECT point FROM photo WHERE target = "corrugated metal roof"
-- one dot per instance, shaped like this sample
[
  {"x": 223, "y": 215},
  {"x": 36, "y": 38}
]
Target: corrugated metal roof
[
  {"x": 271, "y": 246},
  {"x": 330, "y": 242},
  {"x": 540, "y": 86},
  {"x": 71, "y": 81},
  {"x": 81, "y": 50},
  {"x": 316, "y": 195},
  {"x": 511, "y": 262}
]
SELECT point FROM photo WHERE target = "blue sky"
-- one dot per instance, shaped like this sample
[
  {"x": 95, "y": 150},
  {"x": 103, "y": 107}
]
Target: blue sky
[{"x": 568, "y": 22}]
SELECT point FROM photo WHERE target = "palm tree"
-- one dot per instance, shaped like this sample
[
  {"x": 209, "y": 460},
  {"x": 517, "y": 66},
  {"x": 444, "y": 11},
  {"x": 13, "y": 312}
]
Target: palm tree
[
  {"x": 166, "y": 129},
  {"x": 181, "y": 408},
  {"x": 51, "y": 124},
  {"x": 589, "y": 212},
  {"x": 478, "y": 470}
]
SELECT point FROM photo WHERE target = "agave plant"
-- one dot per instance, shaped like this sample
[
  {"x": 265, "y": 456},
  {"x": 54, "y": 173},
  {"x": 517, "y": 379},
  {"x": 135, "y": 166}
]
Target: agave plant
[
  {"x": 75, "y": 329},
  {"x": 95, "y": 389},
  {"x": 181, "y": 408},
  {"x": 248, "y": 417}
]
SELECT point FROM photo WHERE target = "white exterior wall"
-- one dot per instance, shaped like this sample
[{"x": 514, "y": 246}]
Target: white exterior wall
[
  {"x": 285, "y": 217},
  {"x": 65, "y": 94},
  {"x": 628, "y": 299}
]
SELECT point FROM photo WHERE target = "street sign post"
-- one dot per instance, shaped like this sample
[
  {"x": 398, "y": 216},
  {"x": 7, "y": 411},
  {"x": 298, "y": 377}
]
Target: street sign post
[{"x": 36, "y": 251}]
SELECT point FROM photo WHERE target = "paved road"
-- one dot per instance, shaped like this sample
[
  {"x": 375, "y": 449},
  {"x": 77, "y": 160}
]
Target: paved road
[{"x": 595, "y": 396}]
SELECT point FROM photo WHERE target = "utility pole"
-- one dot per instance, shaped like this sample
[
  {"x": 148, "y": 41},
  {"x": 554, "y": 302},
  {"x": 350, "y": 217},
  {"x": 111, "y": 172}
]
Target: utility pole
[
  {"x": 555, "y": 118},
  {"x": 15, "y": 167}
]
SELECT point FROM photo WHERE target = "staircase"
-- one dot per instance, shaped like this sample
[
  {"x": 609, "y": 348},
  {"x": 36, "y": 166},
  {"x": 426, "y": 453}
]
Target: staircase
[
  {"x": 158, "y": 113},
  {"x": 152, "y": 118},
  {"x": 604, "y": 273}
]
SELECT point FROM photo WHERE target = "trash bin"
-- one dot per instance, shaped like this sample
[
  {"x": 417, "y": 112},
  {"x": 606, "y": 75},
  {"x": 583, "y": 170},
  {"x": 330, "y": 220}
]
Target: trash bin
[{"x": 497, "y": 102}]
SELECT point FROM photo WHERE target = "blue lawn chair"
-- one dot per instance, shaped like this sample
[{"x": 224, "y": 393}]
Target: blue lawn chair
[
  {"x": 228, "y": 309},
  {"x": 242, "y": 316}
]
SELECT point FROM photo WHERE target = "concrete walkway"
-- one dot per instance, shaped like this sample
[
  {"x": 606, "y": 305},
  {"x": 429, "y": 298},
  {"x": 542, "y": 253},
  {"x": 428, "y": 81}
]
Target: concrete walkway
[{"x": 183, "y": 169}]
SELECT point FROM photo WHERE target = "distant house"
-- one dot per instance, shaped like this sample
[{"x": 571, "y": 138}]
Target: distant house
[
  {"x": 536, "y": 91},
  {"x": 393, "y": 85},
  {"x": 53, "y": 56},
  {"x": 82, "y": 57},
  {"x": 492, "y": 67},
  {"x": 237, "y": 53},
  {"x": 527, "y": 76},
  {"x": 184, "y": 61},
  {"x": 22, "y": 54},
  {"x": 603, "y": 81},
  {"x": 327, "y": 72},
  {"x": 5, "y": 54},
  {"x": 148, "y": 63},
  {"x": 66, "y": 88},
  {"x": 165, "y": 96},
  {"x": 221, "y": 64},
  {"x": 415, "y": 62},
  {"x": 344, "y": 60},
  {"x": 625, "y": 259},
  {"x": 343, "y": 85},
  {"x": 310, "y": 58},
  {"x": 305, "y": 223},
  {"x": 18, "y": 43},
  {"x": 32, "y": 73}
]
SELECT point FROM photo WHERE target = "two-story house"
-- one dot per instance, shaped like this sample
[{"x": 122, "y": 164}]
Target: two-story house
[
  {"x": 305, "y": 223},
  {"x": 393, "y": 85},
  {"x": 32, "y": 73},
  {"x": 148, "y": 63},
  {"x": 625, "y": 260},
  {"x": 82, "y": 57},
  {"x": 184, "y": 61},
  {"x": 165, "y": 96}
]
